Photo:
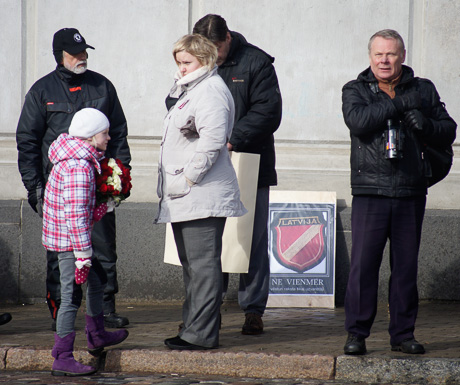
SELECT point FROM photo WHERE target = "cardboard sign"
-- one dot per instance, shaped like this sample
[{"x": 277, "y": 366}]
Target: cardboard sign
[{"x": 302, "y": 230}]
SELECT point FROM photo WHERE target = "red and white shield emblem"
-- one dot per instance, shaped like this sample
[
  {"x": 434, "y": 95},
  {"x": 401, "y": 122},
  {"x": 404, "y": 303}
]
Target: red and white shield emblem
[{"x": 300, "y": 243}]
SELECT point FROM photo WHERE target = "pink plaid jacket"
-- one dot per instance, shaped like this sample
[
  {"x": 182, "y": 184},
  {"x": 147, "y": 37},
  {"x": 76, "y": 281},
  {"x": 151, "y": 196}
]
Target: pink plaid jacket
[{"x": 70, "y": 196}]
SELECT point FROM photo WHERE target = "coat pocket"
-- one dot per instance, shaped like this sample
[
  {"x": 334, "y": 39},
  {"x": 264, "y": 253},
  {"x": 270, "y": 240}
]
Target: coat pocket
[
  {"x": 187, "y": 127},
  {"x": 59, "y": 107},
  {"x": 176, "y": 185}
]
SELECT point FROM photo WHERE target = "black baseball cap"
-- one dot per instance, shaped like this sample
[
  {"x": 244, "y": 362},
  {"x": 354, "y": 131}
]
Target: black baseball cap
[{"x": 69, "y": 40}]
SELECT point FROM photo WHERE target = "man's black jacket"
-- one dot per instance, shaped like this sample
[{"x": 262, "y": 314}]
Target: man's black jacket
[
  {"x": 366, "y": 110},
  {"x": 249, "y": 74},
  {"x": 48, "y": 110}
]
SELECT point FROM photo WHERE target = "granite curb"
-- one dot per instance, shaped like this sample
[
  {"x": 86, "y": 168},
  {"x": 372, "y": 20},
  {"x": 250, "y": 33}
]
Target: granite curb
[
  {"x": 250, "y": 365},
  {"x": 205, "y": 363},
  {"x": 412, "y": 370}
]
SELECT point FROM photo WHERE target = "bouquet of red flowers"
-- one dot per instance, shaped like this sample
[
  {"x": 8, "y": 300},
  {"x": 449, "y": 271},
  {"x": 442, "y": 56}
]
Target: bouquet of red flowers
[{"x": 112, "y": 186}]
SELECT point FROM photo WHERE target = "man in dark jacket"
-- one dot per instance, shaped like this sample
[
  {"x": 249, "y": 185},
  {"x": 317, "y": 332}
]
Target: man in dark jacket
[
  {"x": 249, "y": 74},
  {"x": 47, "y": 112},
  {"x": 391, "y": 115}
]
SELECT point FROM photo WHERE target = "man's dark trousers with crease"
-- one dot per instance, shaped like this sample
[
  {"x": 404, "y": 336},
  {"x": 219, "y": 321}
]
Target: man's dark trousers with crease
[{"x": 376, "y": 219}]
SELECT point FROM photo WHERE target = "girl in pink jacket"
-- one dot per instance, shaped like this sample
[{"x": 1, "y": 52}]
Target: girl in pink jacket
[{"x": 68, "y": 209}]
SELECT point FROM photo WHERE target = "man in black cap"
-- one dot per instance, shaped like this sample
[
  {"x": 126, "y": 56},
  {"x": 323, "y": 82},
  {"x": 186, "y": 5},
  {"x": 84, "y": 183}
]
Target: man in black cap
[{"x": 47, "y": 112}]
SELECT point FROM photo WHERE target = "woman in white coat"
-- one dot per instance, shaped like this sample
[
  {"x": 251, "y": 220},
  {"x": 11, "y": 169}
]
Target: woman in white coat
[{"x": 197, "y": 186}]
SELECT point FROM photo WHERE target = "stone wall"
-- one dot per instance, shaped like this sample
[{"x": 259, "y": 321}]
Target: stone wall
[
  {"x": 143, "y": 276},
  {"x": 318, "y": 46}
]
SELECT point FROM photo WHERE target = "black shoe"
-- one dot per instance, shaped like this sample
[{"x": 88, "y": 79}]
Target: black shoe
[
  {"x": 5, "y": 318},
  {"x": 177, "y": 343},
  {"x": 355, "y": 345},
  {"x": 253, "y": 325},
  {"x": 409, "y": 346},
  {"x": 113, "y": 320}
]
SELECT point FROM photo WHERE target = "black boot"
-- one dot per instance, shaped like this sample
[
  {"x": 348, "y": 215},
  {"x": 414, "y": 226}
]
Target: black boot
[
  {"x": 114, "y": 320},
  {"x": 409, "y": 346},
  {"x": 5, "y": 318},
  {"x": 355, "y": 345}
]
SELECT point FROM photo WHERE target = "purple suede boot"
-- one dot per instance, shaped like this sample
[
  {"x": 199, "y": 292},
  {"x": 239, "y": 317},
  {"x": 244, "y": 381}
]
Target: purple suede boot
[
  {"x": 64, "y": 363},
  {"x": 98, "y": 338}
]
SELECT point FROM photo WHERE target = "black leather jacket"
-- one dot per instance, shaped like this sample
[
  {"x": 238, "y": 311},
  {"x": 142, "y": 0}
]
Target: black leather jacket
[
  {"x": 249, "y": 74},
  {"x": 366, "y": 110},
  {"x": 48, "y": 110}
]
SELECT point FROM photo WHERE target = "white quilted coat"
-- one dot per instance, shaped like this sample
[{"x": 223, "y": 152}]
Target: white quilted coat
[{"x": 196, "y": 178}]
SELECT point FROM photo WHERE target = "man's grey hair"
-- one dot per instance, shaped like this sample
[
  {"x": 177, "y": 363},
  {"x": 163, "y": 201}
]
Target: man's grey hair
[{"x": 387, "y": 34}]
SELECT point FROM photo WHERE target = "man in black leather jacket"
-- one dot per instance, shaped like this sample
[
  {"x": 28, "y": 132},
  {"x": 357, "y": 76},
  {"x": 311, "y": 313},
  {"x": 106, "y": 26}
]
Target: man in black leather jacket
[
  {"x": 249, "y": 74},
  {"x": 47, "y": 112},
  {"x": 389, "y": 187}
]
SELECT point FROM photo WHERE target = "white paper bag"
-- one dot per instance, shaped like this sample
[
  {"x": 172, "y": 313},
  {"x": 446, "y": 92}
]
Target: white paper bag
[{"x": 237, "y": 238}]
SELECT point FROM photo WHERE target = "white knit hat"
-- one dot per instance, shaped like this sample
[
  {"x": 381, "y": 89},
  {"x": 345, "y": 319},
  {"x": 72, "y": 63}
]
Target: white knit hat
[{"x": 88, "y": 122}]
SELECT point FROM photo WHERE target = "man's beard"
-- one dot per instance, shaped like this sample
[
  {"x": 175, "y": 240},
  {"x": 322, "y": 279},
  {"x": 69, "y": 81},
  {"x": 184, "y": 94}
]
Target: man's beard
[{"x": 78, "y": 69}]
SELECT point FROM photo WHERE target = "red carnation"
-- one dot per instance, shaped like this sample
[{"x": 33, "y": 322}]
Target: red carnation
[
  {"x": 106, "y": 169},
  {"x": 103, "y": 188},
  {"x": 101, "y": 179}
]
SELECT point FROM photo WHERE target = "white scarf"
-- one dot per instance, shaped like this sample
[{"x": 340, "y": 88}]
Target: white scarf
[{"x": 183, "y": 83}]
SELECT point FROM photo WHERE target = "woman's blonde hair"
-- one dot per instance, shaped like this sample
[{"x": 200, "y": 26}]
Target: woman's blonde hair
[{"x": 200, "y": 47}]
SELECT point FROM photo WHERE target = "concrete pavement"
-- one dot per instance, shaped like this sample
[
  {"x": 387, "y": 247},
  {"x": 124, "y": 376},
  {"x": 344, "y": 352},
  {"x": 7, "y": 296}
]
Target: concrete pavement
[{"x": 298, "y": 343}]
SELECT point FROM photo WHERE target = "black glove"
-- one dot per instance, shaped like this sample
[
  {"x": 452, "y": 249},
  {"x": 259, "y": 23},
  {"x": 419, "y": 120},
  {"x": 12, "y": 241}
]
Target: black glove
[
  {"x": 417, "y": 122},
  {"x": 35, "y": 199},
  {"x": 409, "y": 101}
]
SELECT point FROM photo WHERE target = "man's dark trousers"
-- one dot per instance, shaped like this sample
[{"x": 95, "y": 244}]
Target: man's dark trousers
[{"x": 375, "y": 219}]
